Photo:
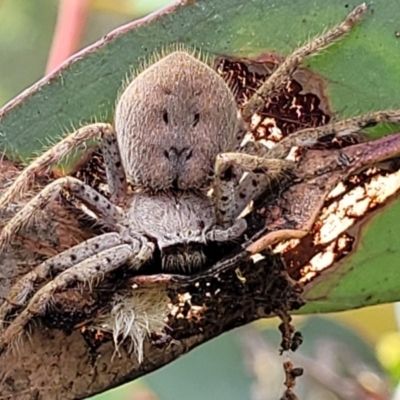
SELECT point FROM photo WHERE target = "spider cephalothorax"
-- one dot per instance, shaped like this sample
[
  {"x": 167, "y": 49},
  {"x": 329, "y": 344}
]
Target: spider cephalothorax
[{"x": 176, "y": 129}]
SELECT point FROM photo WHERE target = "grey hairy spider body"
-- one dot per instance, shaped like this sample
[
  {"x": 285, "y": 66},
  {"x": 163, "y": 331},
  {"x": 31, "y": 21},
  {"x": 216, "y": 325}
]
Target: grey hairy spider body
[
  {"x": 179, "y": 223},
  {"x": 170, "y": 128},
  {"x": 175, "y": 141}
]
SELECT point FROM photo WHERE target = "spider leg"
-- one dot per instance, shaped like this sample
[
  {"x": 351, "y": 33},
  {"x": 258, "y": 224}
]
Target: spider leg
[
  {"x": 115, "y": 174},
  {"x": 109, "y": 213},
  {"x": 284, "y": 72},
  {"x": 24, "y": 287},
  {"x": 54, "y": 154},
  {"x": 95, "y": 267},
  {"x": 351, "y": 126},
  {"x": 229, "y": 234},
  {"x": 234, "y": 190}
]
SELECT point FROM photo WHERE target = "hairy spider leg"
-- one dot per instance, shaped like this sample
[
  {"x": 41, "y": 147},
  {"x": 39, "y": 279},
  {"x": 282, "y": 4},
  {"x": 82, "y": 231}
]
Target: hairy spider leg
[
  {"x": 95, "y": 267},
  {"x": 267, "y": 165},
  {"x": 285, "y": 70},
  {"x": 25, "y": 286},
  {"x": 233, "y": 191},
  {"x": 234, "y": 188},
  {"x": 109, "y": 213},
  {"x": 56, "y": 153},
  {"x": 348, "y": 127},
  {"x": 116, "y": 178}
]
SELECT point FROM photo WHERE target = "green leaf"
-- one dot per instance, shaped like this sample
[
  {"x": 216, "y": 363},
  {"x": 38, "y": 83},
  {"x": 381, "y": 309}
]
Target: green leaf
[{"x": 360, "y": 69}]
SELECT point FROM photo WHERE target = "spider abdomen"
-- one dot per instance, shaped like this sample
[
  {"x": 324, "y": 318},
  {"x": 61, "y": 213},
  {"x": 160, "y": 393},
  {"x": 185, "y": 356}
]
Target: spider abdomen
[{"x": 179, "y": 112}]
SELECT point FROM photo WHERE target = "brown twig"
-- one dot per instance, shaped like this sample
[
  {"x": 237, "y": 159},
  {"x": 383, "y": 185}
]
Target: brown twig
[{"x": 291, "y": 374}]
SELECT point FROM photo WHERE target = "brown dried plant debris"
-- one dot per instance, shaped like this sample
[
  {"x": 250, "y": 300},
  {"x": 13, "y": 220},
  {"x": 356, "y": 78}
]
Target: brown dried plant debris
[
  {"x": 301, "y": 105},
  {"x": 291, "y": 374},
  {"x": 287, "y": 111},
  {"x": 332, "y": 237},
  {"x": 232, "y": 292}
]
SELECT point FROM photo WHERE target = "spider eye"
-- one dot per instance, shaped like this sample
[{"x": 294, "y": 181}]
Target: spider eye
[
  {"x": 196, "y": 119},
  {"x": 165, "y": 117}
]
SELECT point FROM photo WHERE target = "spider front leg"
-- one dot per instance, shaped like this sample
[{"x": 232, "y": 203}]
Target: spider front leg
[
  {"x": 239, "y": 178},
  {"x": 55, "y": 154},
  {"x": 285, "y": 71},
  {"x": 24, "y": 287},
  {"x": 347, "y": 127},
  {"x": 115, "y": 174},
  {"x": 92, "y": 269},
  {"x": 109, "y": 213}
]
